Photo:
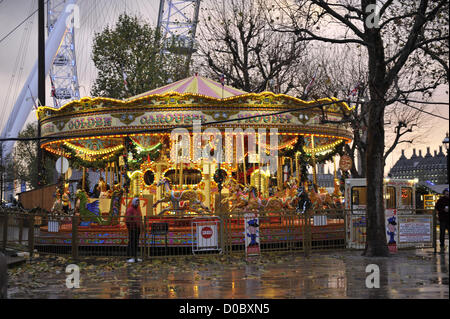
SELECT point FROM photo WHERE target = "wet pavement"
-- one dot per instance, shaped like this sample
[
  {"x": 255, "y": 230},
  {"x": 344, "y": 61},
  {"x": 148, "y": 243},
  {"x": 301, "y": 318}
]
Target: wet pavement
[{"x": 418, "y": 274}]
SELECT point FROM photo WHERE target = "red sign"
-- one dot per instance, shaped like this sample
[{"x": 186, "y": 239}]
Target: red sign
[{"x": 207, "y": 232}]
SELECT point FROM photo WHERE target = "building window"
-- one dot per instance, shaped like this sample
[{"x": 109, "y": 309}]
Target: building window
[
  {"x": 406, "y": 196},
  {"x": 390, "y": 197},
  {"x": 359, "y": 195}
]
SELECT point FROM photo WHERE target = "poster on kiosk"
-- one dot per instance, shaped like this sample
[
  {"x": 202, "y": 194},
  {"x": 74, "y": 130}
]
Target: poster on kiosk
[
  {"x": 391, "y": 229},
  {"x": 251, "y": 234}
]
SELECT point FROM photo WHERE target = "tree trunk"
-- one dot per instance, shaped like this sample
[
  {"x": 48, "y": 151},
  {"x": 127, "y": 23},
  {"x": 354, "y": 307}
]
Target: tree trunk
[
  {"x": 376, "y": 238},
  {"x": 376, "y": 244}
]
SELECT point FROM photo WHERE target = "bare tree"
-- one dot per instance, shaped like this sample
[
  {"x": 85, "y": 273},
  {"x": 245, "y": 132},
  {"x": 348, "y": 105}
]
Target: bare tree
[
  {"x": 235, "y": 40},
  {"x": 340, "y": 74},
  {"x": 407, "y": 53}
]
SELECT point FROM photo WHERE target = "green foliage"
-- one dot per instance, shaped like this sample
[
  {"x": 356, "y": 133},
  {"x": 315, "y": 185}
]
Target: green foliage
[
  {"x": 134, "y": 164},
  {"x": 305, "y": 160},
  {"x": 140, "y": 157},
  {"x": 23, "y": 165},
  {"x": 133, "y": 48},
  {"x": 78, "y": 163}
]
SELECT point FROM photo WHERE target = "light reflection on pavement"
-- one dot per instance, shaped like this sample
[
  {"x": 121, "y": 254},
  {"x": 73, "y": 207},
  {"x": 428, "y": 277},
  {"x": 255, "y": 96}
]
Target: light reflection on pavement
[{"x": 338, "y": 274}]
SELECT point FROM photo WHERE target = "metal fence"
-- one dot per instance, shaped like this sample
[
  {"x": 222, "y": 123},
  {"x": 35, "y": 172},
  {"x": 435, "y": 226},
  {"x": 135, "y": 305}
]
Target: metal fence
[{"x": 179, "y": 234}]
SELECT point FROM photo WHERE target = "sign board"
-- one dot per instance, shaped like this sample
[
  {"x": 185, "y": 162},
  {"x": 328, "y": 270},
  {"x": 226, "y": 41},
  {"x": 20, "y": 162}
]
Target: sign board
[
  {"x": 252, "y": 240},
  {"x": 319, "y": 220},
  {"x": 415, "y": 229},
  {"x": 206, "y": 234},
  {"x": 62, "y": 168},
  {"x": 53, "y": 226}
]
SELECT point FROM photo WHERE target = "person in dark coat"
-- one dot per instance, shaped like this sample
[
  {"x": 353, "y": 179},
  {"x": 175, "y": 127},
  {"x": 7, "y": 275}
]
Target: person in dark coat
[
  {"x": 442, "y": 209},
  {"x": 134, "y": 225}
]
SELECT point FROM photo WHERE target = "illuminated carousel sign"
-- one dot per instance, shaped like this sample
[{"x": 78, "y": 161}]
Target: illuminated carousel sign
[{"x": 142, "y": 120}]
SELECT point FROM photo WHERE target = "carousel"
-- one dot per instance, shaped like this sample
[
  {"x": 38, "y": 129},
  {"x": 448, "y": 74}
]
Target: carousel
[{"x": 132, "y": 144}]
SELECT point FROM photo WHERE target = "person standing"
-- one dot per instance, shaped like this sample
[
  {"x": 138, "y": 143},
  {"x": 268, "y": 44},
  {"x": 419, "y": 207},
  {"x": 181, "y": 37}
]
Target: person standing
[
  {"x": 442, "y": 208},
  {"x": 134, "y": 225}
]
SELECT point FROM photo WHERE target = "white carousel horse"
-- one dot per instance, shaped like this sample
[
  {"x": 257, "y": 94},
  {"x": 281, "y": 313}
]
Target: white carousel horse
[{"x": 175, "y": 197}]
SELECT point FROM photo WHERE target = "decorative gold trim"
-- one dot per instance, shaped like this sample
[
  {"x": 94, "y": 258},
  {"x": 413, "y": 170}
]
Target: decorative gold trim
[{"x": 173, "y": 99}]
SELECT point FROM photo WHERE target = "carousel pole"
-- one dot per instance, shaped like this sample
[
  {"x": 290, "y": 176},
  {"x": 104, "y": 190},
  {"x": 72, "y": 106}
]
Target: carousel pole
[
  {"x": 83, "y": 184},
  {"x": 254, "y": 171},
  {"x": 292, "y": 166},
  {"x": 297, "y": 169},
  {"x": 181, "y": 173},
  {"x": 111, "y": 171},
  {"x": 279, "y": 173},
  {"x": 260, "y": 175},
  {"x": 235, "y": 157},
  {"x": 243, "y": 151},
  {"x": 313, "y": 153},
  {"x": 337, "y": 191},
  {"x": 117, "y": 172},
  {"x": 208, "y": 185},
  {"x": 106, "y": 174},
  {"x": 62, "y": 175}
]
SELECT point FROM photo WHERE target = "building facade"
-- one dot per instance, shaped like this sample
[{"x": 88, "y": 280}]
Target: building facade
[{"x": 428, "y": 169}]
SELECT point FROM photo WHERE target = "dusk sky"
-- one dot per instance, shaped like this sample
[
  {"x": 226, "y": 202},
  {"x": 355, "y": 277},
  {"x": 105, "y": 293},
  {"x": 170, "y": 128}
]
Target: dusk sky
[{"x": 19, "y": 50}]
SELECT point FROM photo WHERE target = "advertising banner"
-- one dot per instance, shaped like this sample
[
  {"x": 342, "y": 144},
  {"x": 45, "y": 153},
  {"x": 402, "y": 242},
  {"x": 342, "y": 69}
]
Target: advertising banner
[
  {"x": 252, "y": 242},
  {"x": 391, "y": 229},
  {"x": 415, "y": 229}
]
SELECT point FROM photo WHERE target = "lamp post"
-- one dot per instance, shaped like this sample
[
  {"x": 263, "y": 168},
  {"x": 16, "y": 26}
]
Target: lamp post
[{"x": 445, "y": 142}]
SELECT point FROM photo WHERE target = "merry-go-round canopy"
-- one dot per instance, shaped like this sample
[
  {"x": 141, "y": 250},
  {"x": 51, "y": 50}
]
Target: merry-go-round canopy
[{"x": 95, "y": 127}]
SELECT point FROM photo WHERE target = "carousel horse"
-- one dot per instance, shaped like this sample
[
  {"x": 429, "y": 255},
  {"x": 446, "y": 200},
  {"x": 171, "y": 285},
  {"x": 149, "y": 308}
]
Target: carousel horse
[
  {"x": 328, "y": 202},
  {"x": 303, "y": 201},
  {"x": 175, "y": 197},
  {"x": 256, "y": 203},
  {"x": 57, "y": 207},
  {"x": 287, "y": 196},
  {"x": 65, "y": 199},
  {"x": 114, "y": 211},
  {"x": 316, "y": 200},
  {"x": 325, "y": 201},
  {"x": 89, "y": 212},
  {"x": 238, "y": 197}
]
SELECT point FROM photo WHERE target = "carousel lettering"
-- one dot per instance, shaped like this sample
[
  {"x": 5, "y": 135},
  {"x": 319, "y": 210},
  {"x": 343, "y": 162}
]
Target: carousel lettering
[
  {"x": 89, "y": 122},
  {"x": 48, "y": 128},
  {"x": 266, "y": 119},
  {"x": 171, "y": 118}
]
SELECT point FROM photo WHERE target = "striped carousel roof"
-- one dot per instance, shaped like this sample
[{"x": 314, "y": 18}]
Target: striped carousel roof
[{"x": 198, "y": 85}]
